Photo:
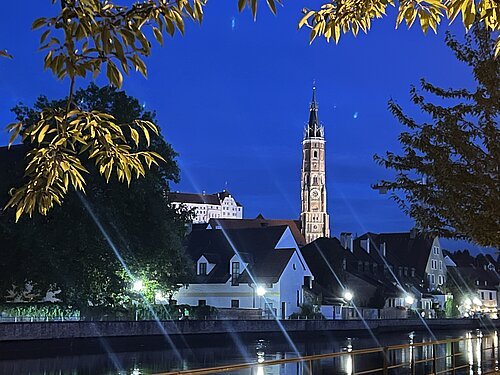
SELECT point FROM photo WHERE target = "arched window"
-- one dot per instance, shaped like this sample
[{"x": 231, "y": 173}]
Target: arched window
[
  {"x": 315, "y": 154},
  {"x": 315, "y": 180}
]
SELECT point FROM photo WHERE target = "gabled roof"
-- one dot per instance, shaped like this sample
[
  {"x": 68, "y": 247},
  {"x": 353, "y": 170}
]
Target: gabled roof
[
  {"x": 402, "y": 249},
  {"x": 325, "y": 257},
  {"x": 468, "y": 276},
  {"x": 193, "y": 198},
  {"x": 259, "y": 222},
  {"x": 256, "y": 246},
  {"x": 196, "y": 198},
  {"x": 225, "y": 194}
]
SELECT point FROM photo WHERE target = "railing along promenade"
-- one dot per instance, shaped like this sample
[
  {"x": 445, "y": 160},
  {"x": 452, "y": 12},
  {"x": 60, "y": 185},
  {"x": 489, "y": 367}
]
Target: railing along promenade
[{"x": 456, "y": 359}]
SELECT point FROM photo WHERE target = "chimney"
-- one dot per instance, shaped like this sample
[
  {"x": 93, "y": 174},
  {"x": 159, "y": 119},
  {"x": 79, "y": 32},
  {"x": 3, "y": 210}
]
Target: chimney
[
  {"x": 365, "y": 244},
  {"x": 383, "y": 249},
  {"x": 346, "y": 241}
]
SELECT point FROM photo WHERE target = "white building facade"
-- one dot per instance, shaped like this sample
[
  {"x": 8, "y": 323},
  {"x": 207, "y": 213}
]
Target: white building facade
[
  {"x": 208, "y": 206},
  {"x": 253, "y": 268}
]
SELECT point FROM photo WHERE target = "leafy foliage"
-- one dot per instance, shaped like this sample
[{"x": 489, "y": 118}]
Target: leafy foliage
[
  {"x": 66, "y": 250},
  {"x": 337, "y": 17},
  {"x": 456, "y": 154}
]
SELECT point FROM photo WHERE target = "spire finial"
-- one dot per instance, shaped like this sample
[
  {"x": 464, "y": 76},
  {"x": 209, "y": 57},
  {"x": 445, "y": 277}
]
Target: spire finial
[{"x": 314, "y": 92}]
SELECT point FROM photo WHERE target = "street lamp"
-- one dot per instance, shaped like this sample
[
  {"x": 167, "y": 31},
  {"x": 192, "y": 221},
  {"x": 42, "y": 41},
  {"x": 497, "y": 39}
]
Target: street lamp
[
  {"x": 261, "y": 291},
  {"x": 409, "y": 299},
  {"x": 348, "y": 296},
  {"x": 138, "y": 286}
]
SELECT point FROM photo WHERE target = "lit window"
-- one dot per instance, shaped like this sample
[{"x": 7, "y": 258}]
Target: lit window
[
  {"x": 235, "y": 273},
  {"x": 202, "y": 269}
]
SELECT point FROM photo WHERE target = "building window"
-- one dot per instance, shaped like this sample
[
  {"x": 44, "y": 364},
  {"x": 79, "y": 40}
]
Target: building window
[
  {"x": 482, "y": 295},
  {"x": 440, "y": 264},
  {"x": 400, "y": 271},
  {"x": 360, "y": 266},
  {"x": 491, "y": 295},
  {"x": 315, "y": 154},
  {"x": 367, "y": 266},
  {"x": 202, "y": 302},
  {"x": 235, "y": 303},
  {"x": 433, "y": 264},
  {"x": 436, "y": 250},
  {"x": 203, "y": 268},
  {"x": 412, "y": 272},
  {"x": 433, "y": 279},
  {"x": 294, "y": 266},
  {"x": 440, "y": 279},
  {"x": 406, "y": 271},
  {"x": 235, "y": 272},
  {"x": 298, "y": 298}
]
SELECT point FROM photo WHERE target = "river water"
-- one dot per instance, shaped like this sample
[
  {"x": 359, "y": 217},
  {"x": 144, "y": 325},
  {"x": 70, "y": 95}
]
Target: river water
[{"x": 232, "y": 349}]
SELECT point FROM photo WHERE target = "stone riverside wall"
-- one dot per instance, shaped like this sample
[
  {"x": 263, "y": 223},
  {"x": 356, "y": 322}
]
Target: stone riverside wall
[{"x": 83, "y": 329}]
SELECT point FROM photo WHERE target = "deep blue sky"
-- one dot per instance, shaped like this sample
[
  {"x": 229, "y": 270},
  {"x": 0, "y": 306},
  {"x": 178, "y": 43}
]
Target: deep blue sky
[{"x": 232, "y": 97}]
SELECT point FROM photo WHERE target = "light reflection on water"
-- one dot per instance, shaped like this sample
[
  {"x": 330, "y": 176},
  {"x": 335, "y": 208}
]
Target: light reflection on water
[{"x": 272, "y": 348}]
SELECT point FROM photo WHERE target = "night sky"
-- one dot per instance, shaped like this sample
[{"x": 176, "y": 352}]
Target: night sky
[{"x": 232, "y": 97}]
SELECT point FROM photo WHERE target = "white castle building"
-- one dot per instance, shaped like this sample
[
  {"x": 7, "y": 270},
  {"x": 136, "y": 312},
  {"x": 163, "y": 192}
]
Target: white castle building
[{"x": 208, "y": 206}]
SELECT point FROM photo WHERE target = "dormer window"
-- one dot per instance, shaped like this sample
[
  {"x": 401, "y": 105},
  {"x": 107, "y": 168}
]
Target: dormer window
[
  {"x": 202, "y": 268},
  {"x": 235, "y": 273}
]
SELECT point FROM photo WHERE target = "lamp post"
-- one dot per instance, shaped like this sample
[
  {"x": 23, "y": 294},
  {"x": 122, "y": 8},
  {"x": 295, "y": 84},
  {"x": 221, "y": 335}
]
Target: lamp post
[
  {"x": 348, "y": 296},
  {"x": 138, "y": 287},
  {"x": 261, "y": 292}
]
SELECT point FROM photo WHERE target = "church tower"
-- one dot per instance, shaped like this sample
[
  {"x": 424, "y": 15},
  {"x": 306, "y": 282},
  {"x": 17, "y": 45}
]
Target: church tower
[{"x": 314, "y": 218}]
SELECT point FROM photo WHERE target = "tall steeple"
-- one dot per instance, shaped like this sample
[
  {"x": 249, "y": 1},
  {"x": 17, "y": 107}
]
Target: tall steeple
[{"x": 314, "y": 217}]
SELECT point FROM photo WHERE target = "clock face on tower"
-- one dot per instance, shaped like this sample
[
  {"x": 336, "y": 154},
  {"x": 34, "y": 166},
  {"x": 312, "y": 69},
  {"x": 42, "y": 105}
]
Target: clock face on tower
[{"x": 315, "y": 194}]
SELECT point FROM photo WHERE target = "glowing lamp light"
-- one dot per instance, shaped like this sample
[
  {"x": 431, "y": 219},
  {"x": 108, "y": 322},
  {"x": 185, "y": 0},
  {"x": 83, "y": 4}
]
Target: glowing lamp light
[
  {"x": 348, "y": 296},
  {"x": 159, "y": 295},
  {"x": 261, "y": 291},
  {"x": 467, "y": 302},
  {"x": 409, "y": 299},
  {"x": 138, "y": 286},
  {"x": 477, "y": 301}
]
